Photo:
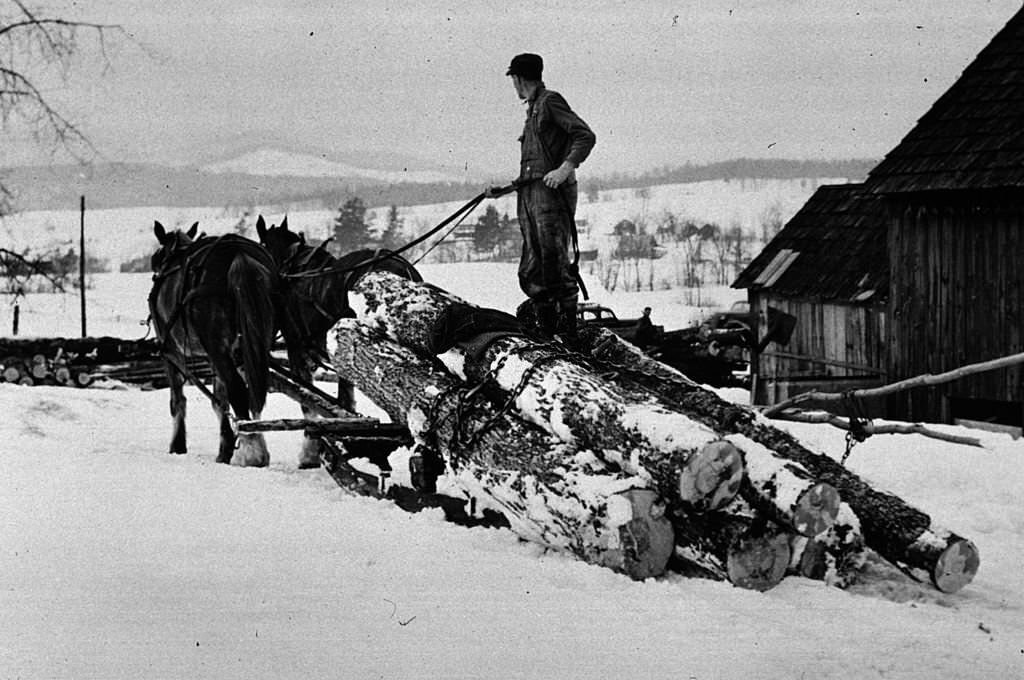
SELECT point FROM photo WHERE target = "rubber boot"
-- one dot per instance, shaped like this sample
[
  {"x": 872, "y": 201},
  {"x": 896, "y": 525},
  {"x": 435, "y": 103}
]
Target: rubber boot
[
  {"x": 538, "y": 319},
  {"x": 547, "y": 318},
  {"x": 567, "y": 321}
]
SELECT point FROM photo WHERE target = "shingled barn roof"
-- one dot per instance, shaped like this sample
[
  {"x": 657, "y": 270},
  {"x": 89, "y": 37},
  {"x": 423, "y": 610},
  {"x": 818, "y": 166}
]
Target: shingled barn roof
[
  {"x": 833, "y": 249},
  {"x": 973, "y": 136}
]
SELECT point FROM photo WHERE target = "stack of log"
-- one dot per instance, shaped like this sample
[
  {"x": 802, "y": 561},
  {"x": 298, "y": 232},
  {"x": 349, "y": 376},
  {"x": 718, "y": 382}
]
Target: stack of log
[
  {"x": 80, "y": 362},
  {"x": 607, "y": 454}
]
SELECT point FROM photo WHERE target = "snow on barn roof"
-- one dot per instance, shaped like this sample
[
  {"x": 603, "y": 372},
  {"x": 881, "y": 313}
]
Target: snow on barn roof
[
  {"x": 973, "y": 136},
  {"x": 833, "y": 248}
]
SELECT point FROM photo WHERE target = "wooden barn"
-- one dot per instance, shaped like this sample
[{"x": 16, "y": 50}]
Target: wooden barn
[
  {"x": 828, "y": 269},
  {"x": 954, "y": 189},
  {"x": 917, "y": 270}
]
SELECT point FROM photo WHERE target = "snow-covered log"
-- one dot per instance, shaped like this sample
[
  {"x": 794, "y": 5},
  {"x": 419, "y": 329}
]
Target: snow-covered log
[
  {"x": 896, "y": 530},
  {"x": 836, "y": 555},
  {"x": 736, "y": 544},
  {"x": 551, "y": 493},
  {"x": 564, "y": 396}
]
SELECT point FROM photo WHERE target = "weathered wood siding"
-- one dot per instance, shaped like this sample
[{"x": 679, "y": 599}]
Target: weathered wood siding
[
  {"x": 834, "y": 347},
  {"x": 957, "y": 295}
]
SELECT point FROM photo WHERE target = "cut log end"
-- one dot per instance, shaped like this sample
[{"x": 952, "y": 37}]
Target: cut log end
[
  {"x": 816, "y": 510},
  {"x": 646, "y": 541},
  {"x": 712, "y": 477},
  {"x": 956, "y": 566},
  {"x": 758, "y": 562}
]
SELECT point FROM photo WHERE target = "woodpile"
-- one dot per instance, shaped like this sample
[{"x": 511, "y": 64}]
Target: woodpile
[
  {"x": 622, "y": 461},
  {"x": 80, "y": 362}
]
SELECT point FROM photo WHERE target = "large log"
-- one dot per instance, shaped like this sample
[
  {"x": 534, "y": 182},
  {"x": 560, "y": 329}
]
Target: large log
[
  {"x": 555, "y": 391},
  {"x": 551, "y": 493},
  {"x": 901, "y": 533}
]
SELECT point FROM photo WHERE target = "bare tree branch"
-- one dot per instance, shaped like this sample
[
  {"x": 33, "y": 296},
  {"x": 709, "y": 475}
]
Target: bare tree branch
[
  {"x": 33, "y": 48},
  {"x": 873, "y": 428},
  {"x": 917, "y": 381},
  {"x": 17, "y": 268}
]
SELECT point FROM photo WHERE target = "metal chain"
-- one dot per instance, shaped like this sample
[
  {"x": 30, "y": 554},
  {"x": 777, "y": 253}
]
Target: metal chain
[{"x": 460, "y": 438}]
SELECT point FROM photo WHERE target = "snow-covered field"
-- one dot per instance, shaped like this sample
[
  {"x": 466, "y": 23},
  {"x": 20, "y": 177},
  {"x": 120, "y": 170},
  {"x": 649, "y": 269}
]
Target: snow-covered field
[
  {"x": 117, "y": 235},
  {"x": 118, "y": 560}
]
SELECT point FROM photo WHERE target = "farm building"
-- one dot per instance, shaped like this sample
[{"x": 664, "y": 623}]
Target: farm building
[
  {"x": 935, "y": 233},
  {"x": 829, "y": 270},
  {"x": 954, "y": 187}
]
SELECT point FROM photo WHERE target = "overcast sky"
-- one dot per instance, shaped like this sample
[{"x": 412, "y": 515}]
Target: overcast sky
[{"x": 661, "y": 83}]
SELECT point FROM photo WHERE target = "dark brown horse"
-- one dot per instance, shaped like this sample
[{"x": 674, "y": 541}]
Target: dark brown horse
[
  {"x": 216, "y": 297},
  {"x": 316, "y": 286}
]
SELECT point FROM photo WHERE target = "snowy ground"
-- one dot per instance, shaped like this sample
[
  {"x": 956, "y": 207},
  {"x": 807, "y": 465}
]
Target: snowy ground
[{"x": 120, "y": 561}]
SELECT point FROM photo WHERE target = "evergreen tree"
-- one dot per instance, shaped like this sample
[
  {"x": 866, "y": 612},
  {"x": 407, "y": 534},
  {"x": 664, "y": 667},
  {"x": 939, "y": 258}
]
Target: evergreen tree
[
  {"x": 488, "y": 231},
  {"x": 350, "y": 229},
  {"x": 509, "y": 239},
  {"x": 393, "y": 238}
]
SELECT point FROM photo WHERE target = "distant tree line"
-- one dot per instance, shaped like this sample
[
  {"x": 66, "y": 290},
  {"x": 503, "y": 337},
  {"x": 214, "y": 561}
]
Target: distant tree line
[
  {"x": 126, "y": 185},
  {"x": 491, "y": 237}
]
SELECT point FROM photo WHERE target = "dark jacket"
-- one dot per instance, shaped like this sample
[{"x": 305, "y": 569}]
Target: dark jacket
[{"x": 563, "y": 134}]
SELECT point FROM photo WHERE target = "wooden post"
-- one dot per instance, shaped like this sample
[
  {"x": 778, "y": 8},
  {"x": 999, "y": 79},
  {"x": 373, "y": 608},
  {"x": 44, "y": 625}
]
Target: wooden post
[{"x": 81, "y": 262}]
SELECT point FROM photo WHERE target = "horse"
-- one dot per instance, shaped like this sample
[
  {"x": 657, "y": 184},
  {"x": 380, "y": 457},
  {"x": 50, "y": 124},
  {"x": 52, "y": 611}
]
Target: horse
[
  {"x": 315, "y": 285},
  {"x": 216, "y": 297}
]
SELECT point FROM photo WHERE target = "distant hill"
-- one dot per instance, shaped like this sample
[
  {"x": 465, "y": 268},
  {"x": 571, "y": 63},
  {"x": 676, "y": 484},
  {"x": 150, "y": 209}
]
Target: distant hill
[
  {"x": 220, "y": 183},
  {"x": 275, "y": 162}
]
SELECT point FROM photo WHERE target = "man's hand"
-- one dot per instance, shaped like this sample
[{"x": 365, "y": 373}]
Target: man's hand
[
  {"x": 495, "y": 192},
  {"x": 555, "y": 178}
]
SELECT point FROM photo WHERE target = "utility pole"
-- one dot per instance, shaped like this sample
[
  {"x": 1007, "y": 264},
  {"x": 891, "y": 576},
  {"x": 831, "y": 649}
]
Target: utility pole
[{"x": 81, "y": 262}]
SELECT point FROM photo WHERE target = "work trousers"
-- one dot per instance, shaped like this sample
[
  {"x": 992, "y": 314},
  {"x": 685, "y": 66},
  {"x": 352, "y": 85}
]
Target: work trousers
[{"x": 546, "y": 220}]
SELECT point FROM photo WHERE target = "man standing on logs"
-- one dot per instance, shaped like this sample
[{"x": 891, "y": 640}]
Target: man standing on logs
[{"x": 554, "y": 142}]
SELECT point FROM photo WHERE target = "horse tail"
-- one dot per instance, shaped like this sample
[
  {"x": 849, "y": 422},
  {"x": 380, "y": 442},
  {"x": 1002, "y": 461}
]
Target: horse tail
[{"x": 252, "y": 287}]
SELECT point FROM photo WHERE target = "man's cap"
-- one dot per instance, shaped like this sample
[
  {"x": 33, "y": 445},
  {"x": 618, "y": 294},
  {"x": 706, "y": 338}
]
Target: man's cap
[{"x": 529, "y": 66}]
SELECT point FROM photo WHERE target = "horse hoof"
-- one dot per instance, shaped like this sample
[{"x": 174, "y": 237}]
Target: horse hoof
[{"x": 309, "y": 464}]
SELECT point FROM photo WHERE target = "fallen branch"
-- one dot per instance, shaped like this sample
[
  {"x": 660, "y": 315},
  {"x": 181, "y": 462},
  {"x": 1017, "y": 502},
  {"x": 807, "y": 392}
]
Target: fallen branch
[
  {"x": 869, "y": 428},
  {"x": 926, "y": 380}
]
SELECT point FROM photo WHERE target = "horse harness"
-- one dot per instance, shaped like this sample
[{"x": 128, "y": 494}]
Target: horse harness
[{"x": 190, "y": 259}]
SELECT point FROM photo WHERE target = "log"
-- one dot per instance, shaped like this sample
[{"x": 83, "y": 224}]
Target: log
[
  {"x": 835, "y": 556},
  {"x": 734, "y": 544},
  {"x": 564, "y": 396},
  {"x": 899, "y": 532},
  {"x": 551, "y": 493}
]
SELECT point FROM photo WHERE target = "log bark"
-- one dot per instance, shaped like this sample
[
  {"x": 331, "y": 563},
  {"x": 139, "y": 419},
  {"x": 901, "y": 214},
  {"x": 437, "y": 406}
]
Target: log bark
[
  {"x": 551, "y": 493},
  {"x": 736, "y": 544},
  {"x": 899, "y": 532},
  {"x": 564, "y": 396}
]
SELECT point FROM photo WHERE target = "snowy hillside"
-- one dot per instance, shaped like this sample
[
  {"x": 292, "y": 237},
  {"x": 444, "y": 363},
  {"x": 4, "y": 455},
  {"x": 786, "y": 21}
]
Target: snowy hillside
[
  {"x": 121, "y": 561},
  {"x": 121, "y": 234},
  {"x": 267, "y": 161}
]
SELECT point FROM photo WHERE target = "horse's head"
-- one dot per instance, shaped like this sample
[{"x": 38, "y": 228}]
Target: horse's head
[
  {"x": 171, "y": 243},
  {"x": 280, "y": 241}
]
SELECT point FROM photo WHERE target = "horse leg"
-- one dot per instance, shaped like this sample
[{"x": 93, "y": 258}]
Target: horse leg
[
  {"x": 178, "y": 407},
  {"x": 252, "y": 447},
  {"x": 227, "y": 432},
  {"x": 309, "y": 455}
]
